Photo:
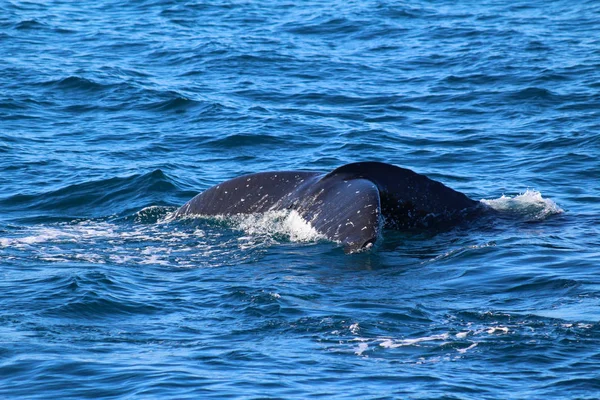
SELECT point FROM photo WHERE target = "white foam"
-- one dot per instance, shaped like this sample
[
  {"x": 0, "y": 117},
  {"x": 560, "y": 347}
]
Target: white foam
[
  {"x": 39, "y": 236},
  {"x": 391, "y": 344},
  {"x": 100, "y": 242},
  {"x": 354, "y": 328},
  {"x": 531, "y": 204},
  {"x": 157, "y": 243},
  {"x": 463, "y": 351},
  {"x": 461, "y": 250},
  {"x": 362, "y": 347},
  {"x": 497, "y": 329}
]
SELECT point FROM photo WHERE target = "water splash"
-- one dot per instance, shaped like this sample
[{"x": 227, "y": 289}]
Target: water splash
[
  {"x": 276, "y": 224},
  {"x": 530, "y": 204}
]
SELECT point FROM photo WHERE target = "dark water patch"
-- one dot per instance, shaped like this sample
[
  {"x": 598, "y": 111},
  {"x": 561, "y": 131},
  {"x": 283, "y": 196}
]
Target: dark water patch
[
  {"x": 13, "y": 104},
  {"x": 154, "y": 100},
  {"x": 403, "y": 11},
  {"x": 251, "y": 64},
  {"x": 475, "y": 79},
  {"x": 533, "y": 93},
  {"x": 93, "y": 305},
  {"x": 552, "y": 142},
  {"x": 322, "y": 26},
  {"x": 538, "y": 46},
  {"x": 244, "y": 140},
  {"x": 123, "y": 73},
  {"x": 581, "y": 103},
  {"x": 31, "y": 24},
  {"x": 542, "y": 284},
  {"x": 178, "y": 104},
  {"x": 65, "y": 31},
  {"x": 75, "y": 83}
]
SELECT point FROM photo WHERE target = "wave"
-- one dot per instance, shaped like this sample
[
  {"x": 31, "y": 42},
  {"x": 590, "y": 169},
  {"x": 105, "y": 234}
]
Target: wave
[
  {"x": 76, "y": 82},
  {"x": 30, "y": 24},
  {"x": 533, "y": 93},
  {"x": 94, "y": 199},
  {"x": 177, "y": 103}
]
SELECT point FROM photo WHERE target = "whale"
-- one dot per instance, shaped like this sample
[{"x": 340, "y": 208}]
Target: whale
[{"x": 350, "y": 205}]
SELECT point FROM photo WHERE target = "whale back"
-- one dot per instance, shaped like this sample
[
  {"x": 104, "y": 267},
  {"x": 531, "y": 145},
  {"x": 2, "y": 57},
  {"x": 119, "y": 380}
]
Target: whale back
[
  {"x": 346, "y": 211},
  {"x": 408, "y": 200},
  {"x": 350, "y": 205},
  {"x": 252, "y": 193}
]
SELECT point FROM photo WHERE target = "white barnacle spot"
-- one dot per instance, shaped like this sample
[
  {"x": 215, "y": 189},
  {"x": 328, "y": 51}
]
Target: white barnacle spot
[
  {"x": 242, "y": 199},
  {"x": 247, "y": 185},
  {"x": 218, "y": 186},
  {"x": 226, "y": 192},
  {"x": 275, "y": 176},
  {"x": 358, "y": 212},
  {"x": 357, "y": 192},
  {"x": 364, "y": 227},
  {"x": 248, "y": 180},
  {"x": 349, "y": 223}
]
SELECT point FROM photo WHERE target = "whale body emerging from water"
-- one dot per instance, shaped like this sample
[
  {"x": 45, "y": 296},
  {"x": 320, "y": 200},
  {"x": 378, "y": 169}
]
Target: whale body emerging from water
[{"x": 350, "y": 204}]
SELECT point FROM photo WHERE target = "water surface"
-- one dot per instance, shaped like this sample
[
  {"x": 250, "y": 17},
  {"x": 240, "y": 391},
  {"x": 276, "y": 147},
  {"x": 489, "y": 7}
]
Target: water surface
[{"x": 112, "y": 114}]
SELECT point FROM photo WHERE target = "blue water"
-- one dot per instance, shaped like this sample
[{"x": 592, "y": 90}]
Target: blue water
[{"x": 113, "y": 114}]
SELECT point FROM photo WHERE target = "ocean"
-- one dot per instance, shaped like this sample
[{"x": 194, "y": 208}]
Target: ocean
[{"x": 113, "y": 114}]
